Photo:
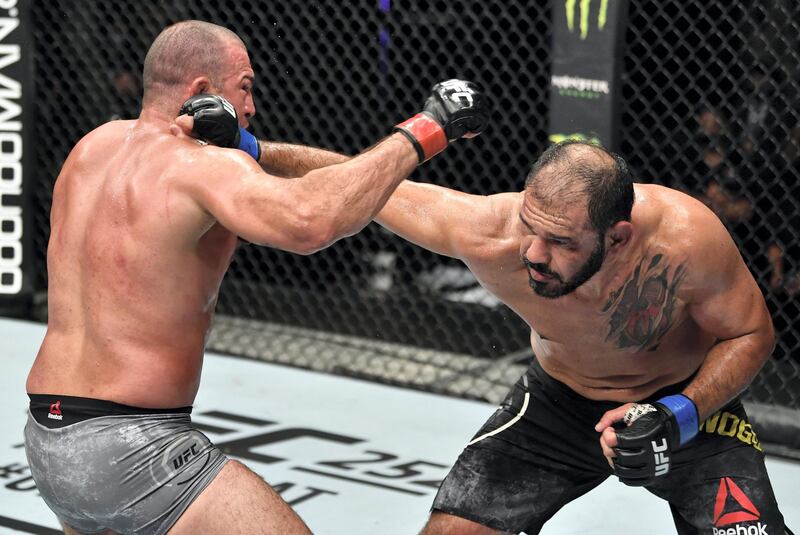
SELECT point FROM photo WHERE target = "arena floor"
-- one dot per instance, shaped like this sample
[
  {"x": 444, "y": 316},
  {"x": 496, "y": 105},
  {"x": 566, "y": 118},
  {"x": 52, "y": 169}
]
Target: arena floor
[{"x": 352, "y": 457}]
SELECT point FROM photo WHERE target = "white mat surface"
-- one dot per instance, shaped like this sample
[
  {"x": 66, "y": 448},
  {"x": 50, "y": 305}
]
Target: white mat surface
[{"x": 381, "y": 445}]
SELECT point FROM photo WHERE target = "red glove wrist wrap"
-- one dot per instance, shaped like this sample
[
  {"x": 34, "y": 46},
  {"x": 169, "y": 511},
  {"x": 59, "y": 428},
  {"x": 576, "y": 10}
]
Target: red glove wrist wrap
[{"x": 426, "y": 134}]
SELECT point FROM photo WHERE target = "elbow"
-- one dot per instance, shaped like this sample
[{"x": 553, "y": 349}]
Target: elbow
[
  {"x": 770, "y": 340},
  {"x": 311, "y": 244},
  {"x": 312, "y": 233},
  {"x": 763, "y": 340}
]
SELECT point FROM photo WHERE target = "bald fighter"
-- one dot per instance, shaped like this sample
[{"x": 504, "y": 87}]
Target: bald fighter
[{"x": 143, "y": 226}]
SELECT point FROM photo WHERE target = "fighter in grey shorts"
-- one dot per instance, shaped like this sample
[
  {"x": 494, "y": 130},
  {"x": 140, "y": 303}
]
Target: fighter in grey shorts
[{"x": 101, "y": 465}]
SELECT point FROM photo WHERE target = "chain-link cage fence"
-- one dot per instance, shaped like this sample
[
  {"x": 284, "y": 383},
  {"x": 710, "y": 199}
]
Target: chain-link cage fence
[{"x": 709, "y": 106}]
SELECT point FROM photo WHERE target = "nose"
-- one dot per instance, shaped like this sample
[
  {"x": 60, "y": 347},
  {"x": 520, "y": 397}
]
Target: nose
[
  {"x": 249, "y": 107},
  {"x": 536, "y": 251}
]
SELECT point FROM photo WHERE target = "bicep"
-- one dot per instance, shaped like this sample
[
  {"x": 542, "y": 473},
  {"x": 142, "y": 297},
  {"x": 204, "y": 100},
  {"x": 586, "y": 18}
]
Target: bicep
[
  {"x": 728, "y": 302},
  {"x": 439, "y": 219},
  {"x": 252, "y": 204}
]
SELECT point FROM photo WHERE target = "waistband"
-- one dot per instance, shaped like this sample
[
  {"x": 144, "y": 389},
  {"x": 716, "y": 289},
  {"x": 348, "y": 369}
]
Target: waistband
[
  {"x": 53, "y": 410},
  {"x": 554, "y": 386}
]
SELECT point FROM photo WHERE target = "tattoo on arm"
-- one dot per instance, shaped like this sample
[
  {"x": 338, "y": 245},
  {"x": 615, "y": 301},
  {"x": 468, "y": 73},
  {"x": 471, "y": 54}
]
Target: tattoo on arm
[{"x": 642, "y": 310}]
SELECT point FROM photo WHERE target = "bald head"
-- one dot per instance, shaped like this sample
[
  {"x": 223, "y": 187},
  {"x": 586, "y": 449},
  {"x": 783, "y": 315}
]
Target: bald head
[
  {"x": 181, "y": 53},
  {"x": 574, "y": 172}
]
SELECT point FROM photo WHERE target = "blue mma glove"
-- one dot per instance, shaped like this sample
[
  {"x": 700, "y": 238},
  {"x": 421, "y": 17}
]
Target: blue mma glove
[
  {"x": 215, "y": 122},
  {"x": 644, "y": 449}
]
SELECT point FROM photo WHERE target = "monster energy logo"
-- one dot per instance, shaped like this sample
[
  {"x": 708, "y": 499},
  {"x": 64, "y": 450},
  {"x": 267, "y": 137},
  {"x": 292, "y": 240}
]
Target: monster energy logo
[
  {"x": 573, "y": 5},
  {"x": 573, "y": 86}
]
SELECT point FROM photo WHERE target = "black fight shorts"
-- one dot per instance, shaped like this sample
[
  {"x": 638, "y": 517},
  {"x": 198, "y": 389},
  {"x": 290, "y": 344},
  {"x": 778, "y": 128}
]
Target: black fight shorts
[{"x": 539, "y": 451}]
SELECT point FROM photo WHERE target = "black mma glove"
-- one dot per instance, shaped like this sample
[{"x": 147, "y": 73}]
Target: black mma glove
[
  {"x": 215, "y": 121},
  {"x": 455, "y": 109},
  {"x": 644, "y": 449}
]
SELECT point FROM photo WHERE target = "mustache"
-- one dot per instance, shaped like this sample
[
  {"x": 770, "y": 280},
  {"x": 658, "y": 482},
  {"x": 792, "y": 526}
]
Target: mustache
[{"x": 541, "y": 268}]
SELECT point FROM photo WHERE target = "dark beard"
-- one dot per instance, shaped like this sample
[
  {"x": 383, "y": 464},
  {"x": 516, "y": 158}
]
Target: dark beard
[{"x": 586, "y": 272}]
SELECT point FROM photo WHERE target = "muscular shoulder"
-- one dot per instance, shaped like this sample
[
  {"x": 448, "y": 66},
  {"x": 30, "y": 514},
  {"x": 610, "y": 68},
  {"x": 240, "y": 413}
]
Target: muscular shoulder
[
  {"x": 687, "y": 231},
  {"x": 495, "y": 227},
  {"x": 669, "y": 209},
  {"x": 207, "y": 168},
  {"x": 105, "y": 136}
]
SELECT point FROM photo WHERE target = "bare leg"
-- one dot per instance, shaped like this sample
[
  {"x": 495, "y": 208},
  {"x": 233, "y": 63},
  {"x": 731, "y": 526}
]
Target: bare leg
[
  {"x": 239, "y": 501},
  {"x": 445, "y": 524}
]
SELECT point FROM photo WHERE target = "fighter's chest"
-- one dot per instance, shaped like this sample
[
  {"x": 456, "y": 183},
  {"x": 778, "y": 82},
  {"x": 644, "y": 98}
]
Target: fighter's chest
[
  {"x": 636, "y": 314},
  {"x": 647, "y": 305}
]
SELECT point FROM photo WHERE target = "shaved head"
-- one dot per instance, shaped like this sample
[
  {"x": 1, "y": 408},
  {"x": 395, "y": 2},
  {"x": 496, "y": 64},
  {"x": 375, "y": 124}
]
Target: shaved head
[
  {"x": 181, "y": 53},
  {"x": 573, "y": 172}
]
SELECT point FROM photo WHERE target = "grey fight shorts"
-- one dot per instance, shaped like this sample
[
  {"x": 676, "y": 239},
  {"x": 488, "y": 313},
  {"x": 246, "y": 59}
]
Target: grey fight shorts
[{"x": 100, "y": 465}]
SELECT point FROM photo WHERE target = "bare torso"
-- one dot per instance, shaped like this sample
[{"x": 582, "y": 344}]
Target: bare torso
[
  {"x": 134, "y": 269},
  {"x": 636, "y": 336}
]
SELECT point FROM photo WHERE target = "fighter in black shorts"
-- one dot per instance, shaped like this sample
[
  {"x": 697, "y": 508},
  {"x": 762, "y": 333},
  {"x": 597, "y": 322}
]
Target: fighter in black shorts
[
  {"x": 539, "y": 451},
  {"x": 634, "y": 293}
]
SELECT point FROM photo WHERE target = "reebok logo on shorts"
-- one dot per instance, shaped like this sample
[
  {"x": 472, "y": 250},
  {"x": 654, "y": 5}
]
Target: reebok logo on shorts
[
  {"x": 55, "y": 411},
  {"x": 732, "y": 506}
]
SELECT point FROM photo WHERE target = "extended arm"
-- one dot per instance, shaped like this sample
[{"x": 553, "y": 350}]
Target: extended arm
[
  {"x": 288, "y": 160},
  {"x": 443, "y": 220},
  {"x": 307, "y": 213},
  {"x": 454, "y": 109},
  {"x": 326, "y": 203}
]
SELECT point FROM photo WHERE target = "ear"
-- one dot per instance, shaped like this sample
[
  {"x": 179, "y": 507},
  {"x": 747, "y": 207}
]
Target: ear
[
  {"x": 620, "y": 234},
  {"x": 201, "y": 84}
]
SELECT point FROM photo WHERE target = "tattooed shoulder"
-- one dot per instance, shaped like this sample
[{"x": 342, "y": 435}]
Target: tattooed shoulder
[{"x": 643, "y": 309}]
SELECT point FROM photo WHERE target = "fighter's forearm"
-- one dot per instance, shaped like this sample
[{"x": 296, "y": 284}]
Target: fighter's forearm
[
  {"x": 728, "y": 369},
  {"x": 288, "y": 160},
  {"x": 344, "y": 198}
]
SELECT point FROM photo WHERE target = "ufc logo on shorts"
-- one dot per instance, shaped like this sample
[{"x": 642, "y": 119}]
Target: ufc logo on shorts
[
  {"x": 662, "y": 461},
  {"x": 459, "y": 90}
]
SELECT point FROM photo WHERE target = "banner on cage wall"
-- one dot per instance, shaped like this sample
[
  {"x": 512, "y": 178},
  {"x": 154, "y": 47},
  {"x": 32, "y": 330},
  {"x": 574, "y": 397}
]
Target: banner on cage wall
[
  {"x": 16, "y": 51},
  {"x": 588, "y": 37}
]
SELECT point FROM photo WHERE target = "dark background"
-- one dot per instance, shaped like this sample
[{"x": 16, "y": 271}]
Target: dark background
[{"x": 709, "y": 106}]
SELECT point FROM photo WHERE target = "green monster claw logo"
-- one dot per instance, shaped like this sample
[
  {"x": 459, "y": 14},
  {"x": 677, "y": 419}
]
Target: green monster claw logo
[
  {"x": 577, "y": 136},
  {"x": 570, "y": 6}
]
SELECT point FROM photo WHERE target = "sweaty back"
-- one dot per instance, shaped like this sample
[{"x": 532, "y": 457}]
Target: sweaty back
[{"x": 134, "y": 265}]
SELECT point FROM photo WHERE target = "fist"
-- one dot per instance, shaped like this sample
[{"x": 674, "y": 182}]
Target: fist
[
  {"x": 459, "y": 107},
  {"x": 454, "y": 109},
  {"x": 214, "y": 119},
  {"x": 655, "y": 431}
]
